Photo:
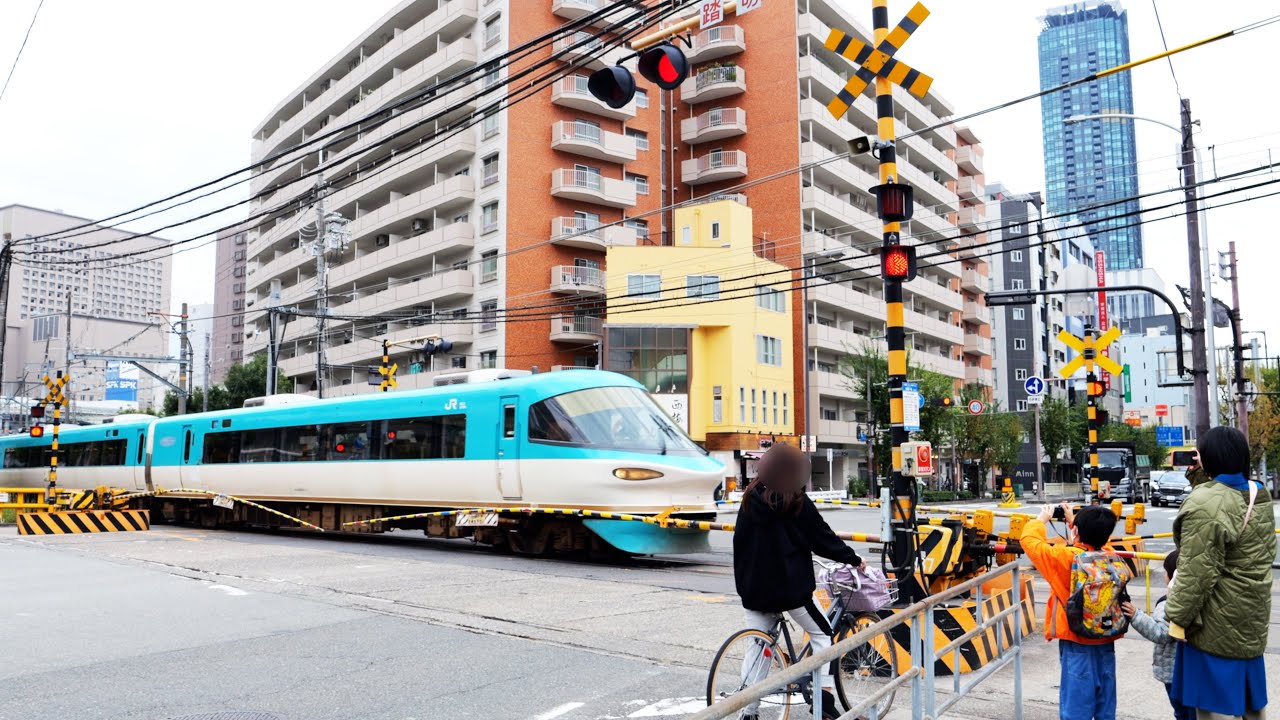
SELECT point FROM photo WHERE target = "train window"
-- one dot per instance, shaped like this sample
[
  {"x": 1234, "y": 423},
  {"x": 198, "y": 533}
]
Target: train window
[
  {"x": 221, "y": 448},
  {"x": 112, "y": 453},
  {"x": 257, "y": 445},
  {"x": 508, "y": 421},
  {"x": 347, "y": 441},
  {"x": 186, "y": 448},
  {"x": 620, "y": 418},
  {"x": 300, "y": 443},
  {"x": 430, "y": 438},
  {"x": 22, "y": 457},
  {"x": 98, "y": 453},
  {"x": 142, "y": 446}
]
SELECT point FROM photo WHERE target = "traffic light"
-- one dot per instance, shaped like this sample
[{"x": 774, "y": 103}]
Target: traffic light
[
  {"x": 663, "y": 65},
  {"x": 37, "y": 431},
  {"x": 1095, "y": 389},
  {"x": 436, "y": 345},
  {"x": 1103, "y": 416},
  {"x": 898, "y": 262},
  {"x": 945, "y": 402}
]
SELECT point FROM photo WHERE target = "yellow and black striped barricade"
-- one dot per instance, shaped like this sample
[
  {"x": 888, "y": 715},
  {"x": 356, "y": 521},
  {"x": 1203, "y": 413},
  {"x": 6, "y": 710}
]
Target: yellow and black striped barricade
[{"x": 89, "y": 521}]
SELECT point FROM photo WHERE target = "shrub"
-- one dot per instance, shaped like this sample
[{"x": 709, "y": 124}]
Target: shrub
[{"x": 857, "y": 487}]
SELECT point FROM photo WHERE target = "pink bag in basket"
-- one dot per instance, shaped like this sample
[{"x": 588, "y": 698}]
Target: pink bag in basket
[{"x": 865, "y": 589}]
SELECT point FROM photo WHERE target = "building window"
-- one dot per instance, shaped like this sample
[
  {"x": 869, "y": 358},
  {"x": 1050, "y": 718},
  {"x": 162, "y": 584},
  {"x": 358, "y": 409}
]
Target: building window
[
  {"x": 1015, "y": 256},
  {"x": 784, "y": 409},
  {"x": 43, "y": 328},
  {"x": 489, "y": 128},
  {"x": 1015, "y": 284},
  {"x": 237, "y": 304},
  {"x": 240, "y": 238},
  {"x": 642, "y": 98},
  {"x": 1022, "y": 406},
  {"x": 492, "y": 75},
  {"x": 489, "y": 268},
  {"x": 238, "y": 255},
  {"x": 768, "y": 350},
  {"x": 771, "y": 299},
  {"x": 753, "y": 406},
  {"x": 715, "y": 230},
  {"x": 489, "y": 217},
  {"x": 644, "y": 286},
  {"x": 237, "y": 288},
  {"x": 488, "y": 315},
  {"x": 489, "y": 171},
  {"x": 655, "y": 357},
  {"x": 493, "y": 31},
  {"x": 458, "y": 362},
  {"x": 642, "y": 229},
  {"x": 775, "y": 407},
  {"x": 1019, "y": 343},
  {"x": 640, "y": 181},
  {"x": 1020, "y": 374},
  {"x": 237, "y": 320},
  {"x": 641, "y": 137},
  {"x": 1018, "y": 313},
  {"x": 742, "y": 404},
  {"x": 702, "y": 286},
  {"x": 488, "y": 359}
]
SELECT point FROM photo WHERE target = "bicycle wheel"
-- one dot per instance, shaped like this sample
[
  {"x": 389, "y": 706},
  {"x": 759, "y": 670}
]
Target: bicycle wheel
[
  {"x": 747, "y": 658},
  {"x": 864, "y": 670}
]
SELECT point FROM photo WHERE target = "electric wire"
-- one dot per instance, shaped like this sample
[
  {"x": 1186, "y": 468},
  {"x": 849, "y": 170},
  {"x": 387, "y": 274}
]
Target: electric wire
[{"x": 21, "y": 47}]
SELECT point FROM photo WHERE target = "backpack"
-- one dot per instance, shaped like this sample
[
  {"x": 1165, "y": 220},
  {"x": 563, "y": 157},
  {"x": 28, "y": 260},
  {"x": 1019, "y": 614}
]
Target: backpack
[{"x": 1098, "y": 585}]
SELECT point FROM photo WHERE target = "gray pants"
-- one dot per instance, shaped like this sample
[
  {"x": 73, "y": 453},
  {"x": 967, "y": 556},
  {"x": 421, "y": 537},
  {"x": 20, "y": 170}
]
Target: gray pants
[{"x": 810, "y": 618}]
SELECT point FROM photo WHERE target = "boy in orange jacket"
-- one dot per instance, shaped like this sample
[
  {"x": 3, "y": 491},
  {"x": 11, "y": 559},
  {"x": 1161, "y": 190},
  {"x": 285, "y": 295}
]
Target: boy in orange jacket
[{"x": 1087, "y": 689}]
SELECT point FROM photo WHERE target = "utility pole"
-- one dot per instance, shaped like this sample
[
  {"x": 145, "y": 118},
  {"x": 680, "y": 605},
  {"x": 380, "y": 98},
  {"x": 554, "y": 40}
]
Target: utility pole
[
  {"x": 272, "y": 360},
  {"x": 182, "y": 361},
  {"x": 1199, "y": 369},
  {"x": 1039, "y": 454},
  {"x": 322, "y": 284},
  {"x": 204, "y": 402},
  {"x": 1237, "y": 343},
  {"x": 67, "y": 357},
  {"x": 6, "y": 263},
  {"x": 1092, "y": 392}
]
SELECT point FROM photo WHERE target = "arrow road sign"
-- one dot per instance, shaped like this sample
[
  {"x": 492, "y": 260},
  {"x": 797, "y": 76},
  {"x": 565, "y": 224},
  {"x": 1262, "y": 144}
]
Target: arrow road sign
[{"x": 1034, "y": 385}]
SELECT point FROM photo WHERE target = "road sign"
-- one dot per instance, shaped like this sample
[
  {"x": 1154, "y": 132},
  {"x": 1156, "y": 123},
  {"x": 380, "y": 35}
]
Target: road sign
[
  {"x": 878, "y": 61},
  {"x": 1009, "y": 298},
  {"x": 1162, "y": 411},
  {"x": 1170, "y": 435},
  {"x": 1089, "y": 349},
  {"x": 911, "y": 407},
  {"x": 1035, "y": 399},
  {"x": 1034, "y": 385},
  {"x": 1128, "y": 386},
  {"x": 975, "y": 407}
]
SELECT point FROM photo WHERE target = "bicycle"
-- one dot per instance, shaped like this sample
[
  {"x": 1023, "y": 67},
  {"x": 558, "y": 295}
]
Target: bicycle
[{"x": 748, "y": 656}]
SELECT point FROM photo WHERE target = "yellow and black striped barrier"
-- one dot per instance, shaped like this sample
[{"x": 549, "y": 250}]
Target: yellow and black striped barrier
[
  {"x": 77, "y": 522},
  {"x": 215, "y": 495}
]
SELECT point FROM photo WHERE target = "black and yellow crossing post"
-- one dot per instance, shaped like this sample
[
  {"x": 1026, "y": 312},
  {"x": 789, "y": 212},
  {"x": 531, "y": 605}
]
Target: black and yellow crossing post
[
  {"x": 1089, "y": 357},
  {"x": 57, "y": 399},
  {"x": 388, "y": 369},
  {"x": 894, "y": 205}
]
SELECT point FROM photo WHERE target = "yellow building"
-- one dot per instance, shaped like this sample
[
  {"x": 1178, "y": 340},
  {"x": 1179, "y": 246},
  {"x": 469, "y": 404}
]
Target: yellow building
[{"x": 705, "y": 323}]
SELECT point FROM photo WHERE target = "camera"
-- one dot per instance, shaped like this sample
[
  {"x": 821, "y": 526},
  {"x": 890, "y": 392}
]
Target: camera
[{"x": 1060, "y": 513}]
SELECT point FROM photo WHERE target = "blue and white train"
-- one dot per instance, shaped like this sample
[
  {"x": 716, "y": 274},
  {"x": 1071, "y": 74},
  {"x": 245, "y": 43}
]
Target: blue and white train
[{"x": 573, "y": 439}]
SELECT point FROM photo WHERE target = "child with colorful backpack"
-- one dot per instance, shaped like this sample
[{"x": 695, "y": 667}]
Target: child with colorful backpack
[
  {"x": 1086, "y": 588},
  {"x": 1155, "y": 628}
]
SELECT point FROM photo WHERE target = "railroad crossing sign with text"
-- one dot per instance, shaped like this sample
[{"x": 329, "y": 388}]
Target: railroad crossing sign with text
[
  {"x": 1089, "y": 350},
  {"x": 878, "y": 61}
]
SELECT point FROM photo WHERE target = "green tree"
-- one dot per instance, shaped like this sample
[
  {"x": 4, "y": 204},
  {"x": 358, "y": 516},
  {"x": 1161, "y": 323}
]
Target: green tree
[
  {"x": 1143, "y": 438},
  {"x": 243, "y": 381},
  {"x": 1060, "y": 429},
  {"x": 867, "y": 371}
]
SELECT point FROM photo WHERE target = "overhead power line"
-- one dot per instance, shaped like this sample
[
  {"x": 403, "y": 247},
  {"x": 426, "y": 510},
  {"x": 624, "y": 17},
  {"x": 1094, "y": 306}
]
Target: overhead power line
[{"x": 21, "y": 47}]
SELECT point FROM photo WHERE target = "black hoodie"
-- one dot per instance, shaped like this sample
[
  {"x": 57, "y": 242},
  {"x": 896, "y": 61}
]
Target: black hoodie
[{"x": 773, "y": 553}]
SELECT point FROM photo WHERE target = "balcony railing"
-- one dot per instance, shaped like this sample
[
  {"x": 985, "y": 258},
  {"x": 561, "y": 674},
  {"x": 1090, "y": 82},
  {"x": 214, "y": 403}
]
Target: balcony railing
[
  {"x": 714, "y": 167},
  {"x": 590, "y": 186},
  {"x": 589, "y": 234},
  {"x": 588, "y": 140},
  {"x": 718, "y": 42},
  {"x": 574, "y": 279},
  {"x": 974, "y": 281},
  {"x": 714, "y": 83},
  {"x": 576, "y": 328},
  {"x": 572, "y": 92},
  {"x": 714, "y": 124}
]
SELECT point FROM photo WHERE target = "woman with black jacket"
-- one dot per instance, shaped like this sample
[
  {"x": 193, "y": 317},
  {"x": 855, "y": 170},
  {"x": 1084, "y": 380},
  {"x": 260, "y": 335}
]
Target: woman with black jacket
[{"x": 778, "y": 531}]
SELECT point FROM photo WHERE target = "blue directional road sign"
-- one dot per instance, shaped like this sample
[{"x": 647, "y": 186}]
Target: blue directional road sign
[
  {"x": 1034, "y": 385},
  {"x": 1170, "y": 436}
]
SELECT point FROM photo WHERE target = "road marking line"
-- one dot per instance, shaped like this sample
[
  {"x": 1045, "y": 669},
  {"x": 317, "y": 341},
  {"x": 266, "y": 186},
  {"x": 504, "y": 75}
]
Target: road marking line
[
  {"x": 671, "y": 706},
  {"x": 556, "y": 712},
  {"x": 234, "y": 592}
]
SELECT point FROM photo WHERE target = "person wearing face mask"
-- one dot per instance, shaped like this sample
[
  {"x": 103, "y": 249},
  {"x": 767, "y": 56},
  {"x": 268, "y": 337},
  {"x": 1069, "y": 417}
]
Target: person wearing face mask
[{"x": 778, "y": 531}]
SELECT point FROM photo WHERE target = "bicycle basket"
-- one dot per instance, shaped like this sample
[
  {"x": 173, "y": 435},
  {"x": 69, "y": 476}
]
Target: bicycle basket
[{"x": 862, "y": 590}]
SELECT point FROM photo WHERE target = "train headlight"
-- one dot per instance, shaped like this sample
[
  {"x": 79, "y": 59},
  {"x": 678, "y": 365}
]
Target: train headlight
[{"x": 636, "y": 474}]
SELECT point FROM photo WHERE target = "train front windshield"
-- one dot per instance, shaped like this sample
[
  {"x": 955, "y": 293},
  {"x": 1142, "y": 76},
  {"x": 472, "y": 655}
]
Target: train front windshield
[{"x": 609, "y": 418}]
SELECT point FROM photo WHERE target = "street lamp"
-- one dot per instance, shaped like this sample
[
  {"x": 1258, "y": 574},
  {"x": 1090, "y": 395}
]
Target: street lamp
[{"x": 1203, "y": 373}]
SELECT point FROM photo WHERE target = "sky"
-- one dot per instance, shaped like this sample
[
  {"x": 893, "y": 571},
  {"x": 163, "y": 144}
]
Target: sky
[{"x": 117, "y": 104}]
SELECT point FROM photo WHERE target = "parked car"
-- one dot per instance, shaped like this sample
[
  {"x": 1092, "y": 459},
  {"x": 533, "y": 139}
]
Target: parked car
[{"x": 1172, "y": 488}]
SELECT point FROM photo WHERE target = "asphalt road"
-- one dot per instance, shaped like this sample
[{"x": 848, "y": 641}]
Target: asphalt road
[{"x": 184, "y": 623}]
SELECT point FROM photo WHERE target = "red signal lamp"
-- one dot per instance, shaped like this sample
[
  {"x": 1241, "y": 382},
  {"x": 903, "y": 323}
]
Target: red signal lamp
[
  {"x": 613, "y": 86},
  {"x": 340, "y": 448},
  {"x": 898, "y": 263},
  {"x": 391, "y": 434},
  {"x": 1095, "y": 389},
  {"x": 37, "y": 411},
  {"x": 664, "y": 65},
  {"x": 895, "y": 202},
  {"x": 37, "y": 431}
]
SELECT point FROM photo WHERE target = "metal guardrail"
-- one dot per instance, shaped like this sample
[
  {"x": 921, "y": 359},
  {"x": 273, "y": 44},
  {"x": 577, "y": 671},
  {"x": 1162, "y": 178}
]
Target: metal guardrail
[{"x": 920, "y": 674}]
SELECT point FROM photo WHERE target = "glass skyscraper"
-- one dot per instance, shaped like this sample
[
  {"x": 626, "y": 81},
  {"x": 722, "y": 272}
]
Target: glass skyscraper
[{"x": 1091, "y": 163}]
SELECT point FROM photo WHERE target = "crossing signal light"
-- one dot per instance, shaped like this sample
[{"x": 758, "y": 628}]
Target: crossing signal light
[
  {"x": 37, "y": 431},
  {"x": 1103, "y": 416},
  {"x": 340, "y": 448},
  {"x": 1095, "y": 389},
  {"x": 37, "y": 411},
  {"x": 663, "y": 65},
  {"x": 895, "y": 202},
  {"x": 898, "y": 263}
]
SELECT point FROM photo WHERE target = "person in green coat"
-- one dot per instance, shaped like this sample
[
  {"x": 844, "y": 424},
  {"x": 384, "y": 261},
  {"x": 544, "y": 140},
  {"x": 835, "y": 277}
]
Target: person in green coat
[{"x": 1221, "y": 601}]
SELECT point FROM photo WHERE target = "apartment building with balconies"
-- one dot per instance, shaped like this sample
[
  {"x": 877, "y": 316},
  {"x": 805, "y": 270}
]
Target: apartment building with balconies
[
  {"x": 975, "y": 274},
  {"x": 226, "y": 345}
]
